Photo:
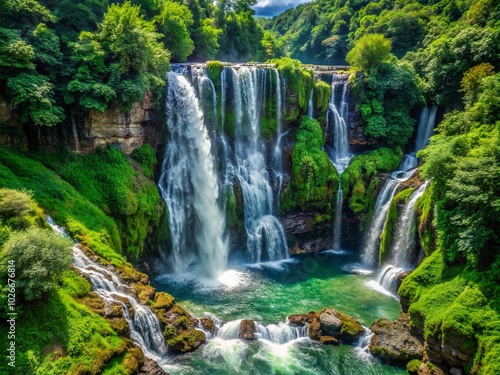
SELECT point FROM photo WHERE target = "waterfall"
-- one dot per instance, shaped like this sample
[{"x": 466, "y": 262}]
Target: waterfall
[
  {"x": 144, "y": 326},
  {"x": 277, "y": 162},
  {"x": 372, "y": 238},
  {"x": 189, "y": 185},
  {"x": 280, "y": 333},
  {"x": 404, "y": 241},
  {"x": 336, "y": 118},
  {"x": 425, "y": 127},
  {"x": 265, "y": 236},
  {"x": 310, "y": 109}
]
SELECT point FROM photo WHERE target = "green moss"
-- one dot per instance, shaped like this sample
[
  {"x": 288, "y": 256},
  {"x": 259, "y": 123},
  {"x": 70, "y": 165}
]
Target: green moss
[
  {"x": 74, "y": 284},
  {"x": 300, "y": 81},
  {"x": 412, "y": 366},
  {"x": 163, "y": 301},
  {"x": 186, "y": 341},
  {"x": 146, "y": 157},
  {"x": 314, "y": 181},
  {"x": 234, "y": 209},
  {"x": 358, "y": 182},
  {"x": 214, "y": 70},
  {"x": 387, "y": 235},
  {"x": 108, "y": 179},
  {"x": 426, "y": 227},
  {"x": 322, "y": 94},
  {"x": 57, "y": 335}
]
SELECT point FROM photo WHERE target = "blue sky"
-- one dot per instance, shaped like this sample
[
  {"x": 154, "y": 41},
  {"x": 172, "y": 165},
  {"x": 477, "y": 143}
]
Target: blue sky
[{"x": 270, "y": 8}]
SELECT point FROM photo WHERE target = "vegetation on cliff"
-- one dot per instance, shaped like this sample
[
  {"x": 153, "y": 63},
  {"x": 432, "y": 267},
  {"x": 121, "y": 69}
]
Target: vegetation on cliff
[{"x": 314, "y": 180}]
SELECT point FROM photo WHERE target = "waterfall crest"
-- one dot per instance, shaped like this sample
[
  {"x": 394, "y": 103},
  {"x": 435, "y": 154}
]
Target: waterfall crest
[{"x": 189, "y": 185}]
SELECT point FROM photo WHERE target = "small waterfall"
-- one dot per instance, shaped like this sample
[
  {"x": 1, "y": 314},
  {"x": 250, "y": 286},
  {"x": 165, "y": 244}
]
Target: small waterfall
[
  {"x": 372, "y": 238},
  {"x": 75, "y": 134},
  {"x": 410, "y": 162},
  {"x": 337, "y": 123},
  {"x": 310, "y": 109},
  {"x": 425, "y": 127},
  {"x": 337, "y": 225},
  {"x": 280, "y": 333},
  {"x": 265, "y": 236},
  {"x": 144, "y": 326},
  {"x": 189, "y": 184},
  {"x": 336, "y": 118},
  {"x": 404, "y": 241},
  {"x": 277, "y": 162}
]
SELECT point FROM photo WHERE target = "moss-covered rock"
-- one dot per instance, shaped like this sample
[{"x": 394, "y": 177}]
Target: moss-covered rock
[
  {"x": 186, "y": 341},
  {"x": 163, "y": 301},
  {"x": 386, "y": 238},
  {"x": 314, "y": 179},
  {"x": 322, "y": 92}
]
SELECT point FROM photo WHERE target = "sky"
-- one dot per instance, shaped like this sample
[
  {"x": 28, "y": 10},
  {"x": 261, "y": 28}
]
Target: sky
[{"x": 270, "y": 8}]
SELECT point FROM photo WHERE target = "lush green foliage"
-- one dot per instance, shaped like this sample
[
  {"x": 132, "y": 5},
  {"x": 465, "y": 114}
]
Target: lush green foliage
[
  {"x": 108, "y": 180},
  {"x": 463, "y": 161},
  {"x": 385, "y": 93},
  {"x": 369, "y": 52},
  {"x": 322, "y": 92},
  {"x": 314, "y": 181},
  {"x": 300, "y": 81},
  {"x": 359, "y": 179},
  {"x": 40, "y": 257},
  {"x": 387, "y": 236},
  {"x": 146, "y": 157}
]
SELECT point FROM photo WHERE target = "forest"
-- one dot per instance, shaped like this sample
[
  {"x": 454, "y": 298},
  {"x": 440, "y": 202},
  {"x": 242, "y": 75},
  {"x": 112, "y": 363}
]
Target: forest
[{"x": 176, "y": 175}]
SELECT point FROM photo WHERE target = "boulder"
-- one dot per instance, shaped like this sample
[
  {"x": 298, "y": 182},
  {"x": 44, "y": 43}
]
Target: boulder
[
  {"x": 340, "y": 326},
  {"x": 208, "y": 325},
  {"x": 394, "y": 342},
  {"x": 328, "y": 340},
  {"x": 186, "y": 341},
  {"x": 150, "y": 367},
  {"x": 163, "y": 301},
  {"x": 330, "y": 322},
  {"x": 247, "y": 330}
]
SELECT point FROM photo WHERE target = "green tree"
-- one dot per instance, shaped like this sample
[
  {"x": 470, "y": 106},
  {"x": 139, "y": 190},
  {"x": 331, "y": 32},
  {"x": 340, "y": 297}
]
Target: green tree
[
  {"x": 369, "y": 52},
  {"x": 40, "y": 257},
  {"x": 173, "y": 21},
  {"x": 473, "y": 78}
]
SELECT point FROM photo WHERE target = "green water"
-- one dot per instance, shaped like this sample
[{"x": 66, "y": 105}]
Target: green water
[{"x": 268, "y": 294}]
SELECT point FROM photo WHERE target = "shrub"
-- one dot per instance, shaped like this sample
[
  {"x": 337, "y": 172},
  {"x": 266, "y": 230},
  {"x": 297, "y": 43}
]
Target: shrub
[{"x": 40, "y": 257}]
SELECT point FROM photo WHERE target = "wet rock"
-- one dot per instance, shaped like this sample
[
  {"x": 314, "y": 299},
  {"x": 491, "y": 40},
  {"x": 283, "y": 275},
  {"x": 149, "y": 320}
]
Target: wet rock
[
  {"x": 208, "y": 325},
  {"x": 314, "y": 329},
  {"x": 330, "y": 322},
  {"x": 187, "y": 341},
  {"x": 393, "y": 341},
  {"x": 309, "y": 235},
  {"x": 247, "y": 330},
  {"x": 350, "y": 329},
  {"x": 427, "y": 368},
  {"x": 328, "y": 340},
  {"x": 299, "y": 320},
  {"x": 150, "y": 367},
  {"x": 163, "y": 301}
]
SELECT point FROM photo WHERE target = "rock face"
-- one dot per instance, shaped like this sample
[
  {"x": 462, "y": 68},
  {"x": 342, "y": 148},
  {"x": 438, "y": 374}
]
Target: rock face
[
  {"x": 150, "y": 367},
  {"x": 310, "y": 236},
  {"x": 247, "y": 330},
  {"x": 329, "y": 326},
  {"x": 126, "y": 131},
  {"x": 84, "y": 134},
  {"x": 394, "y": 342}
]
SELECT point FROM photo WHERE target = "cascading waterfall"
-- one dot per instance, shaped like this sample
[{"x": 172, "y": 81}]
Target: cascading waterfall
[
  {"x": 310, "y": 109},
  {"x": 189, "y": 185},
  {"x": 404, "y": 241},
  {"x": 277, "y": 161},
  {"x": 280, "y": 333},
  {"x": 372, "y": 239},
  {"x": 336, "y": 117},
  {"x": 265, "y": 236},
  {"x": 144, "y": 326},
  {"x": 425, "y": 127}
]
